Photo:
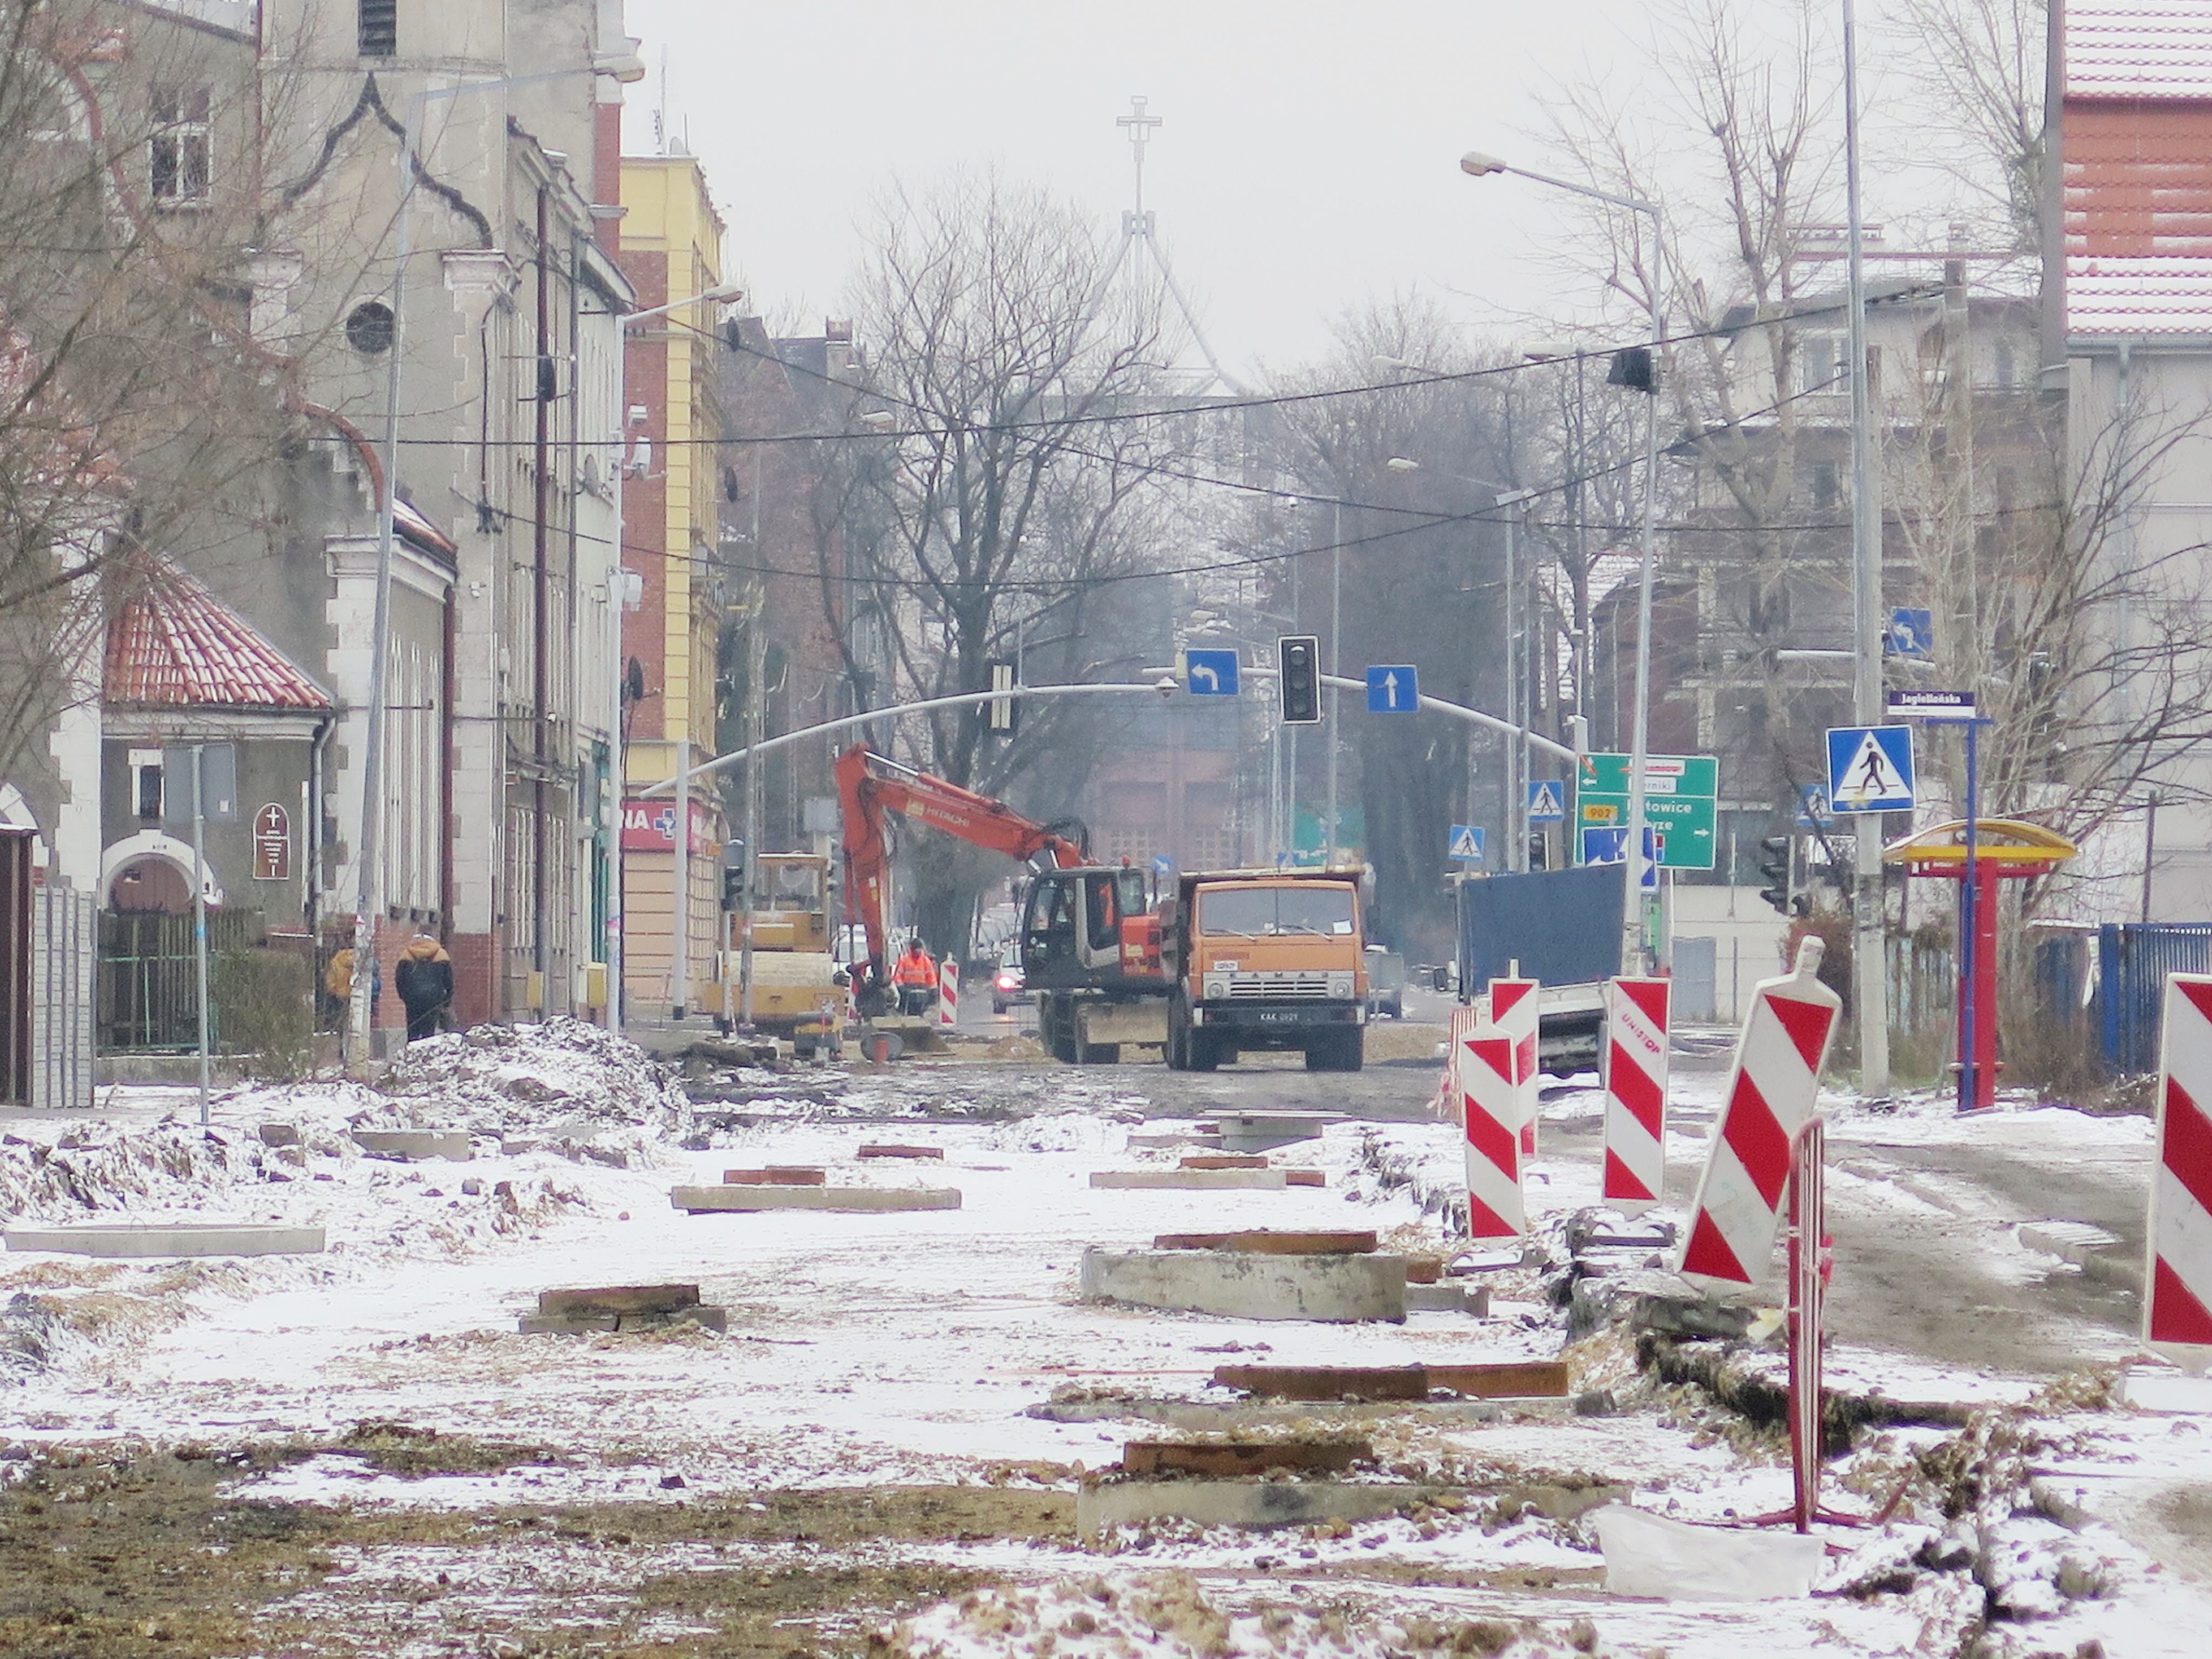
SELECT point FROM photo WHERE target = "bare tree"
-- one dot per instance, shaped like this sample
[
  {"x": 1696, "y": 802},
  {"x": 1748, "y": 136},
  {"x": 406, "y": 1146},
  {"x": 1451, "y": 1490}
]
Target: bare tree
[
  {"x": 1977, "y": 68},
  {"x": 1021, "y": 452}
]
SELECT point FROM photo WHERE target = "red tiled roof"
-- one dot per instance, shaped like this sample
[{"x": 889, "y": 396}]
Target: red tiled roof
[
  {"x": 175, "y": 645},
  {"x": 2149, "y": 49}
]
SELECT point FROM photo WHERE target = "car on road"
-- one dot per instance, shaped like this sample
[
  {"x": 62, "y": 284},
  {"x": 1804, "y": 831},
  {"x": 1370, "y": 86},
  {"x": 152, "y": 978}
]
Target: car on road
[{"x": 1009, "y": 985}]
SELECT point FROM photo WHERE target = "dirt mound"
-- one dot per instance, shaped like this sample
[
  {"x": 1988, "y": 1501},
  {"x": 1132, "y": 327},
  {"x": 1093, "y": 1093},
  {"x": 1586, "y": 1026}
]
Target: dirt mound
[{"x": 504, "y": 1080}]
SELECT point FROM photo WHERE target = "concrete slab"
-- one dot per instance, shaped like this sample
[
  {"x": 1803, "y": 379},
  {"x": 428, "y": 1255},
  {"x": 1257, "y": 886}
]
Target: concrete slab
[
  {"x": 620, "y": 1299},
  {"x": 1249, "y": 1417},
  {"x": 702, "y": 1200},
  {"x": 278, "y": 1134},
  {"x": 1224, "y": 1160},
  {"x": 1240, "y": 1503},
  {"x": 174, "y": 1238},
  {"x": 416, "y": 1145},
  {"x": 1257, "y": 1131},
  {"x": 1505, "y": 1380},
  {"x": 585, "y": 1324},
  {"x": 1266, "y": 1240},
  {"x": 1192, "y": 1180},
  {"x": 2165, "y": 1391},
  {"x": 1228, "y": 1459},
  {"x": 889, "y": 1151},
  {"x": 782, "y": 1175},
  {"x": 1319, "y": 1383},
  {"x": 1328, "y": 1289},
  {"x": 1470, "y": 1299}
]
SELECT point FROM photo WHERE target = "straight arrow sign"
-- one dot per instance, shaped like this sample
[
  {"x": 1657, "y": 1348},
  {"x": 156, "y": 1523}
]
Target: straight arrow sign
[{"x": 1393, "y": 689}]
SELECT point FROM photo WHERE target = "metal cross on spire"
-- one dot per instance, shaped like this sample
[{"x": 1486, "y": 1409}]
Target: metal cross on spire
[
  {"x": 1139, "y": 126},
  {"x": 1137, "y": 233}
]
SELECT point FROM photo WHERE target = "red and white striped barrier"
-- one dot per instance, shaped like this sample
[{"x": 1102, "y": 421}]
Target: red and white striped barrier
[
  {"x": 1770, "y": 1093},
  {"x": 2178, "y": 1311},
  {"x": 948, "y": 992},
  {"x": 1635, "y": 1093},
  {"x": 1459, "y": 1026},
  {"x": 1513, "y": 1011},
  {"x": 1490, "y": 1108}
]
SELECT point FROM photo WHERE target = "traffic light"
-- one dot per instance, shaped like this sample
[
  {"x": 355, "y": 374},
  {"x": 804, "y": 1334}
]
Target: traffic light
[
  {"x": 1774, "y": 865},
  {"x": 1632, "y": 367},
  {"x": 1002, "y": 714},
  {"x": 1297, "y": 659}
]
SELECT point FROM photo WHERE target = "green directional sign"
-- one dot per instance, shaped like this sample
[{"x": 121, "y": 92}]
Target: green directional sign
[{"x": 1679, "y": 795}]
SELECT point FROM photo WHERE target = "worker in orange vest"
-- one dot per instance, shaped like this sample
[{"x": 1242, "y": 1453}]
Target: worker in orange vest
[{"x": 915, "y": 976}]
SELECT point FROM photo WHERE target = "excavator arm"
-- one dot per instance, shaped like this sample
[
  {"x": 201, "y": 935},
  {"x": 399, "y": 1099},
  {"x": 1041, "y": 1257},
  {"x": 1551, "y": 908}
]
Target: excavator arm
[{"x": 869, "y": 786}]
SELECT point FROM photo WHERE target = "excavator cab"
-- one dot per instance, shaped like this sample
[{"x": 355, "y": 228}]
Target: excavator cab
[{"x": 1080, "y": 926}]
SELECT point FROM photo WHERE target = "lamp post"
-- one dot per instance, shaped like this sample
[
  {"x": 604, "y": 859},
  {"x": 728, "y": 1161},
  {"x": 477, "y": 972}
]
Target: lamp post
[
  {"x": 625, "y": 68},
  {"x": 1636, "y": 941}
]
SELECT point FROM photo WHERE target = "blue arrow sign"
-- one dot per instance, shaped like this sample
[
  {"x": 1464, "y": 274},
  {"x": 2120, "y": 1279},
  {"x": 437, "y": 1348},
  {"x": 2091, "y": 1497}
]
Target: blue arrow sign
[
  {"x": 1162, "y": 866},
  {"x": 1467, "y": 843},
  {"x": 1210, "y": 673},
  {"x": 1393, "y": 689},
  {"x": 1548, "y": 802},
  {"x": 1870, "y": 769},
  {"x": 1911, "y": 633}
]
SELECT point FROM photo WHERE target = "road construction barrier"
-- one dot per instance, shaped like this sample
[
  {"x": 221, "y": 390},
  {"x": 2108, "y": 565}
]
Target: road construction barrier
[
  {"x": 1459, "y": 1026},
  {"x": 1635, "y": 1093},
  {"x": 1490, "y": 1109},
  {"x": 948, "y": 993},
  {"x": 1772, "y": 1086},
  {"x": 2177, "y": 1277},
  {"x": 1513, "y": 1011}
]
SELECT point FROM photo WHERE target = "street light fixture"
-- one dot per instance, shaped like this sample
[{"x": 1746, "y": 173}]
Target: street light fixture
[{"x": 1478, "y": 165}]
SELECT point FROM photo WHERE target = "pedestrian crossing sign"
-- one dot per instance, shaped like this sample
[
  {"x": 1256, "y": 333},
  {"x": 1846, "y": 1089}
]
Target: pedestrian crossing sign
[
  {"x": 1547, "y": 801},
  {"x": 1467, "y": 843},
  {"x": 1870, "y": 769}
]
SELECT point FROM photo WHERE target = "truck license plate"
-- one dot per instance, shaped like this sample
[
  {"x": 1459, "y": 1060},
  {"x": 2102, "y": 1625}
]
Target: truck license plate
[{"x": 1279, "y": 1016}]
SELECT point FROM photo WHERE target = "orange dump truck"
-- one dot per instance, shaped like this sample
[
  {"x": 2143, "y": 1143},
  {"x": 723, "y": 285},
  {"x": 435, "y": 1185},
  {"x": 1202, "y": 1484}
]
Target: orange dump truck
[{"x": 1258, "y": 959}]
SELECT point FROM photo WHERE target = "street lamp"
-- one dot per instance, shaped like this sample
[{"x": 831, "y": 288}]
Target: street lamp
[
  {"x": 624, "y": 68},
  {"x": 1477, "y": 164},
  {"x": 622, "y": 590}
]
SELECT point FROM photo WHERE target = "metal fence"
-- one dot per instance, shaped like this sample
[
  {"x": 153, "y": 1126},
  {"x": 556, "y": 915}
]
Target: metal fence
[
  {"x": 65, "y": 950},
  {"x": 149, "y": 977},
  {"x": 2133, "y": 959}
]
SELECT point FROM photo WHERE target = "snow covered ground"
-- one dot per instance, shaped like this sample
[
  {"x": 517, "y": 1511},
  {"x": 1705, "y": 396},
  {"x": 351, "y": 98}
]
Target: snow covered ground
[{"x": 874, "y": 1352}]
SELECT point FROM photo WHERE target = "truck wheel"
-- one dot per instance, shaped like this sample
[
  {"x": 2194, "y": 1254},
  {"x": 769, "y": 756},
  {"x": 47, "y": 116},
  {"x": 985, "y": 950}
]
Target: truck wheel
[
  {"x": 1056, "y": 1026},
  {"x": 1177, "y": 1053},
  {"x": 1336, "y": 1051},
  {"x": 1201, "y": 1053}
]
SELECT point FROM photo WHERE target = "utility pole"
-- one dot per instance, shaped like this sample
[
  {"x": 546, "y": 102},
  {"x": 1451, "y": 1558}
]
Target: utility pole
[
  {"x": 1870, "y": 984},
  {"x": 1335, "y": 666}
]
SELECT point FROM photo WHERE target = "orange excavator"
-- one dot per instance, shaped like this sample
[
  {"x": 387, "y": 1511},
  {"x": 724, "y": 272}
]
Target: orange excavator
[{"x": 1090, "y": 944}]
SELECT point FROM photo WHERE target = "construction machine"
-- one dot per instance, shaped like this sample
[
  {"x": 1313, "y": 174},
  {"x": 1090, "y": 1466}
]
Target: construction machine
[
  {"x": 794, "y": 976},
  {"x": 1089, "y": 944}
]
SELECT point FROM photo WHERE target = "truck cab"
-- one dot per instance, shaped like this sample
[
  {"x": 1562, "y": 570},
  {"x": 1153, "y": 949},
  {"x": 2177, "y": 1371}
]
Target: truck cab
[{"x": 1267, "y": 959}]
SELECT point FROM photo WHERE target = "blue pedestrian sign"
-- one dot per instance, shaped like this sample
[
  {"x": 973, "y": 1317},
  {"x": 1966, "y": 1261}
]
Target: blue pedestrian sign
[
  {"x": 1210, "y": 673},
  {"x": 1814, "y": 811},
  {"x": 1547, "y": 801},
  {"x": 1394, "y": 689},
  {"x": 1467, "y": 843},
  {"x": 1605, "y": 845},
  {"x": 1911, "y": 633},
  {"x": 1870, "y": 769}
]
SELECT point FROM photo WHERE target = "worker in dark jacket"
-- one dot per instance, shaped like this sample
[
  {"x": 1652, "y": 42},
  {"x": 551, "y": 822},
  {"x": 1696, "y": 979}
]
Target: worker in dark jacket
[{"x": 424, "y": 980}]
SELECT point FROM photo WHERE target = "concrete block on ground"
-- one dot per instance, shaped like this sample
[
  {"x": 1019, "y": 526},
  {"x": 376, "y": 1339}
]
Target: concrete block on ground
[
  {"x": 713, "y": 1319},
  {"x": 1226, "y": 1459},
  {"x": 1258, "y": 1132},
  {"x": 777, "y": 1175},
  {"x": 1240, "y": 1503},
  {"x": 1651, "y": 1555},
  {"x": 1191, "y": 1180},
  {"x": 1512, "y": 1379},
  {"x": 583, "y": 1322},
  {"x": 278, "y": 1134},
  {"x": 620, "y": 1299},
  {"x": 1223, "y": 1160},
  {"x": 416, "y": 1145},
  {"x": 702, "y": 1200},
  {"x": 1472, "y": 1299},
  {"x": 1266, "y": 1240},
  {"x": 1305, "y": 1178},
  {"x": 1327, "y": 1381},
  {"x": 2088, "y": 1247},
  {"x": 571, "y": 1324},
  {"x": 170, "y": 1238},
  {"x": 1424, "y": 1270},
  {"x": 890, "y": 1151},
  {"x": 2165, "y": 1391},
  {"x": 1326, "y": 1289}
]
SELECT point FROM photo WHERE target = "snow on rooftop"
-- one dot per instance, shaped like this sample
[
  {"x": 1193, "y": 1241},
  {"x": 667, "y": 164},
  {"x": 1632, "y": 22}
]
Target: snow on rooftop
[{"x": 2106, "y": 294}]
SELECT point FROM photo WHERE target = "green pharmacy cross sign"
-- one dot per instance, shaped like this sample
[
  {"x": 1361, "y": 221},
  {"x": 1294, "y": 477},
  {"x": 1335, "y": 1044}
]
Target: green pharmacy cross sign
[{"x": 1679, "y": 794}]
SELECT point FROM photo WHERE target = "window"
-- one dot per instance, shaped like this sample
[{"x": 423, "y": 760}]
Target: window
[
  {"x": 1255, "y": 911},
  {"x": 149, "y": 793},
  {"x": 2005, "y": 369},
  {"x": 1827, "y": 359},
  {"x": 380, "y": 28},
  {"x": 1824, "y": 485},
  {"x": 178, "y": 151}
]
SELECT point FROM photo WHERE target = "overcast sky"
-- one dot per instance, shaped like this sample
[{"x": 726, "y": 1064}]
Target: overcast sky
[{"x": 1309, "y": 158}]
